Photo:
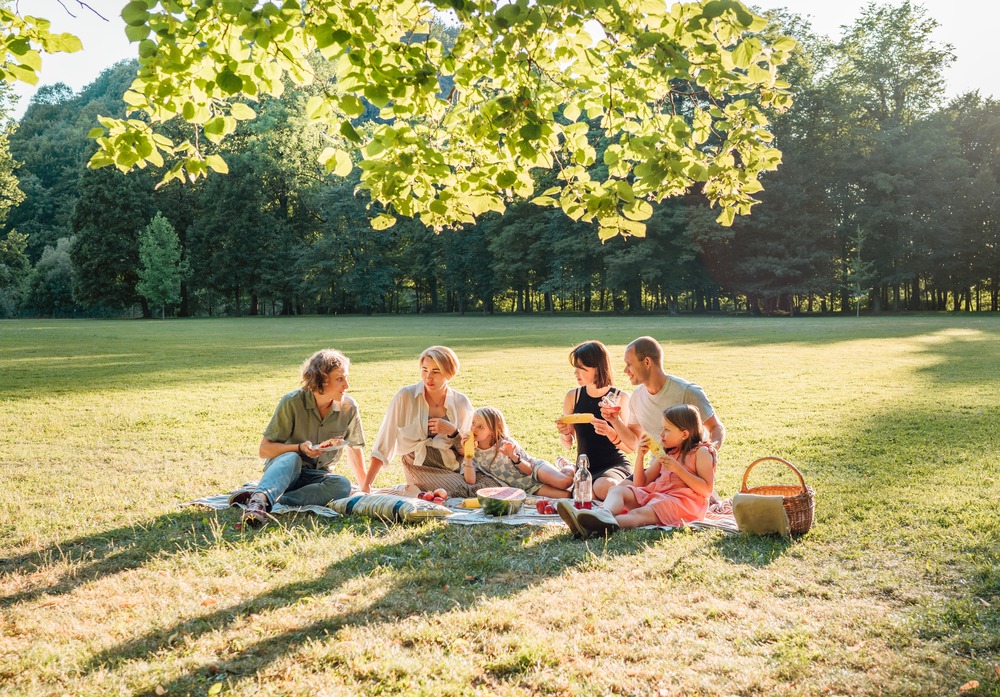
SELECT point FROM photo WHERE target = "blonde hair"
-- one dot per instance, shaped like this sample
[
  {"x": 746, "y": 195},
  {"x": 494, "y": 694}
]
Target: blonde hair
[
  {"x": 444, "y": 358},
  {"x": 317, "y": 368},
  {"x": 494, "y": 421}
]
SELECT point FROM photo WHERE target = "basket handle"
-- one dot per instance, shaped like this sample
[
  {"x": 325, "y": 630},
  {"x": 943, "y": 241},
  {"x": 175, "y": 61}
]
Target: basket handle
[{"x": 756, "y": 462}]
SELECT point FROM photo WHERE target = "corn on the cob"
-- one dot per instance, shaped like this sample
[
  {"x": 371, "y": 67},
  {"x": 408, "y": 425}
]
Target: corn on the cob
[
  {"x": 577, "y": 419},
  {"x": 469, "y": 447},
  {"x": 655, "y": 448}
]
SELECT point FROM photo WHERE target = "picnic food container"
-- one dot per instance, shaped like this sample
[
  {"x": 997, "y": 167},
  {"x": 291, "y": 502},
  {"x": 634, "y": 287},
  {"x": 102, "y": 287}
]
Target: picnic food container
[{"x": 799, "y": 500}]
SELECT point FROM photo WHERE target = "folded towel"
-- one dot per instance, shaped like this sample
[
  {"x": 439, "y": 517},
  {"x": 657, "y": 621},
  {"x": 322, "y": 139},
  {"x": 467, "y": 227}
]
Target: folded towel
[{"x": 760, "y": 515}]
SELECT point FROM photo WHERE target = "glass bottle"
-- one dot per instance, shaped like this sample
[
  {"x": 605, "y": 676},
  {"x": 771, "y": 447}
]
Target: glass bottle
[{"x": 583, "y": 484}]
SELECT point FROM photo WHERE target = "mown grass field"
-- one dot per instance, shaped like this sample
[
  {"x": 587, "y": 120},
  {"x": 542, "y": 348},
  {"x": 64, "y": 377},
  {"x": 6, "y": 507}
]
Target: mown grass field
[{"x": 107, "y": 587}]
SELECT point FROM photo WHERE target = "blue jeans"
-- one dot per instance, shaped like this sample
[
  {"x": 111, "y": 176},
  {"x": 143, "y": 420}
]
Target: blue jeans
[{"x": 287, "y": 482}]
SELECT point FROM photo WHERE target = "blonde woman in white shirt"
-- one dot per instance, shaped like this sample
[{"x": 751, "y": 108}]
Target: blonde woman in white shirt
[{"x": 423, "y": 425}]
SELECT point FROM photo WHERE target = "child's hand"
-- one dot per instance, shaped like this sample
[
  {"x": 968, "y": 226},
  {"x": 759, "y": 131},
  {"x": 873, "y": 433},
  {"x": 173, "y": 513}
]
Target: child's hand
[
  {"x": 670, "y": 463},
  {"x": 507, "y": 447}
]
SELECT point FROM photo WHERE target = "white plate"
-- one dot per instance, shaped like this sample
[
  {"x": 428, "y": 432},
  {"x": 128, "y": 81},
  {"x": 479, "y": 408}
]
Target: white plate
[{"x": 329, "y": 448}]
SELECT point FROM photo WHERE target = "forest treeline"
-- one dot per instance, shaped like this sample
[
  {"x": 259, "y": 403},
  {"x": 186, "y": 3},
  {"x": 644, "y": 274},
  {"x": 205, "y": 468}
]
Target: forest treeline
[{"x": 887, "y": 199}]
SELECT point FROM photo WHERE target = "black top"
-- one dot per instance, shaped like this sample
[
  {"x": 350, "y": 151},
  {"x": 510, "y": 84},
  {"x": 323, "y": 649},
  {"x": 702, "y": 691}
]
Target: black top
[{"x": 603, "y": 455}]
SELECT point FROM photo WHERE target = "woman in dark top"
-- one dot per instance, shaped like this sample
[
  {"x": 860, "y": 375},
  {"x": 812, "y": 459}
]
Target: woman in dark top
[{"x": 597, "y": 440}]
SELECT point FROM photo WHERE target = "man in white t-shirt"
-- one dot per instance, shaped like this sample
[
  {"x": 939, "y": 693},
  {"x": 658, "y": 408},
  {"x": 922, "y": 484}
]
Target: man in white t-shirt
[{"x": 654, "y": 393}]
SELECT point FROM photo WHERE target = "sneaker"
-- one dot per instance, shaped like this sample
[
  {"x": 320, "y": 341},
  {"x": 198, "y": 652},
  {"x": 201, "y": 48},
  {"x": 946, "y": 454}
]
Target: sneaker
[
  {"x": 568, "y": 513},
  {"x": 596, "y": 521},
  {"x": 255, "y": 513},
  {"x": 240, "y": 497},
  {"x": 565, "y": 466}
]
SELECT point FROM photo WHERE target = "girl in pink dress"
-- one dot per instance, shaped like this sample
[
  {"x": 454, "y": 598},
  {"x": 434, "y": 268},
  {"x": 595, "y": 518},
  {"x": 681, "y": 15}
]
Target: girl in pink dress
[{"x": 673, "y": 490}]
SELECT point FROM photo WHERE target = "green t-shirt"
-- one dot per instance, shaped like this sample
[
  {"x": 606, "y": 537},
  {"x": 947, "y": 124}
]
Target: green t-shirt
[{"x": 296, "y": 420}]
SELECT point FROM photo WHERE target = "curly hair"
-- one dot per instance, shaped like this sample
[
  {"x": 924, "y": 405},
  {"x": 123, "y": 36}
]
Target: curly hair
[{"x": 317, "y": 368}]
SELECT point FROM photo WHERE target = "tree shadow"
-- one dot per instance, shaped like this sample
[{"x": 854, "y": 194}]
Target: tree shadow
[
  {"x": 417, "y": 589},
  {"x": 93, "y": 557}
]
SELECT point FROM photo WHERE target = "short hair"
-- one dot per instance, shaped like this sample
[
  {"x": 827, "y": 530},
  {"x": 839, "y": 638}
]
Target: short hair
[
  {"x": 593, "y": 354},
  {"x": 444, "y": 358},
  {"x": 318, "y": 367},
  {"x": 647, "y": 347}
]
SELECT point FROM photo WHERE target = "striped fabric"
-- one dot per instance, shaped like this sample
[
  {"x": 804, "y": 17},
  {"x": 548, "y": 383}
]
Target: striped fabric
[
  {"x": 431, "y": 478},
  {"x": 389, "y": 508}
]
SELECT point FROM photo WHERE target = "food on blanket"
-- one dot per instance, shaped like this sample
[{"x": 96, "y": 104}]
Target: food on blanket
[
  {"x": 499, "y": 501},
  {"x": 655, "y": 448},
  {"x": 577, "y": 419},
  {"x": 469, "y": 503},
  {"x": 439, "y": 500},
  {"x": 469, "y": 447},
  {"x": 545, "y": 507},
  {"x": 425, "y": 496},
  {"x": 440, "y": 493}
]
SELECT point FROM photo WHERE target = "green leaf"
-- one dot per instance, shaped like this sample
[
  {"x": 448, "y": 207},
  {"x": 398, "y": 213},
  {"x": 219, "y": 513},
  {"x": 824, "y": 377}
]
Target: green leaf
[
  {"x": 137, "y": 32},
  {"x": 726, "y": 217},
  {"x": 217, "y": 164},
  {"x": 215, "y": 689},
  {"x": 135, "y": 13},
  {"x": 342, "y": 164},
  {"x": 383, "y": 221},
  {"x": 229, "y": 82},
  {"x": 744, "y": 54},
  {"x": 572, "y": 112},
  {"x": 713, "y": 9},
  {"x": 638, "y": 210},
  {"x": 214, "y": 129},
  {"x": 347, "y": 130},
  {"x": 242, "y": 112}
]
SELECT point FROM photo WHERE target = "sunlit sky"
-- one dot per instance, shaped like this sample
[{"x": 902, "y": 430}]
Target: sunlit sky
[{"x": 968, "y": 25}]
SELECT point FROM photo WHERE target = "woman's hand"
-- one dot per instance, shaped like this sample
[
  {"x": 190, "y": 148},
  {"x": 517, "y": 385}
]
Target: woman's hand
[
  {"x": 565, "y": 429},
  {"x": 603, "y": 428},
  {"x": 441, "y": 427}
]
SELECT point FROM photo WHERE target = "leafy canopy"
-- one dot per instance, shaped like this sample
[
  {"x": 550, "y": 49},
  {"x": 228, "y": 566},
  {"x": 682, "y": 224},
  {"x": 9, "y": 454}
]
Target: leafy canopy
[
  {"x": 678, "y": 91},
  {"x": 23, "y": 40}
]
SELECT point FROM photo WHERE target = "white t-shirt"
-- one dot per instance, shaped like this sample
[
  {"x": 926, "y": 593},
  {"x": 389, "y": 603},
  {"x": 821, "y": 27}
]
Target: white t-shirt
[{"x": 647, "y": 409}]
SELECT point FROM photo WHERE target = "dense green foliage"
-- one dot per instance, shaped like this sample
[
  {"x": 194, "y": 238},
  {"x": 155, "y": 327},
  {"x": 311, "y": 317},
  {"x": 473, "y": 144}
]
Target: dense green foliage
[
  {"x": 679, "y": 90},
  {"x": 870, "y": 155}
]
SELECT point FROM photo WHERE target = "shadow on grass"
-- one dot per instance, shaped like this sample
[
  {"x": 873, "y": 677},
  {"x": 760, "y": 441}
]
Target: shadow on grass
[
  {"x": 104, "y": 554},
  {"x": 434, "y": 572}
]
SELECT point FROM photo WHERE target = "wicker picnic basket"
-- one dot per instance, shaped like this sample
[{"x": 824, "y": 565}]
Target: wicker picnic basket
[{"x": 799, "y": 502}]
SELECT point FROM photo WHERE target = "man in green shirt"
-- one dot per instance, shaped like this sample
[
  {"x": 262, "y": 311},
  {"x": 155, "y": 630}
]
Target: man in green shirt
[{"x": 310, "y": 429}]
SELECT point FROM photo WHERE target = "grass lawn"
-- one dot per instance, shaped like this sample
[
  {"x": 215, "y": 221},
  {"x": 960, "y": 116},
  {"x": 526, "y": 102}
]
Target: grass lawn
[{"x": 107, "y": 587}]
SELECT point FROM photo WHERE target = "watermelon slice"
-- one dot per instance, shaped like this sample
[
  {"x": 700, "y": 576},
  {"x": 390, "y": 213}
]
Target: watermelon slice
[{"x": 500, "y": 500}]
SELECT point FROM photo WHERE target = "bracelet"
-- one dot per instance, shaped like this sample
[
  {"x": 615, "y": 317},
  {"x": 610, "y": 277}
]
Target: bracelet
[
  {"x": 454, "y": 434},
  {"x": 298, "y": 449},
  {"x": 519, "y": 461}
]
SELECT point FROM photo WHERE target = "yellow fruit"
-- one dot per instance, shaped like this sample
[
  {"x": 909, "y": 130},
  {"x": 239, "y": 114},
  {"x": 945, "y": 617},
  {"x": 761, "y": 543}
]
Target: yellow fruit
[
  {"x": 469, "y": 503},
  {"x": 577, "y": 419},
  {"x": 655, "y": 448},
  {"x": 469, "y": 447}
]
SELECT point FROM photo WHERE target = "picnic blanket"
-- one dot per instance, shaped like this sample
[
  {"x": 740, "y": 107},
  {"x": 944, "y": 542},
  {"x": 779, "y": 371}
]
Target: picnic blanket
[{"x": 719, "y": 517}]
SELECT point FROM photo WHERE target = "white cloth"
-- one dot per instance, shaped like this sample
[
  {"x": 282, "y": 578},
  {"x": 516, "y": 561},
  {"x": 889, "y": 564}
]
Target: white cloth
[
  {"x": 404, "y": 428},
  {"x": 647, "y": 409}
]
